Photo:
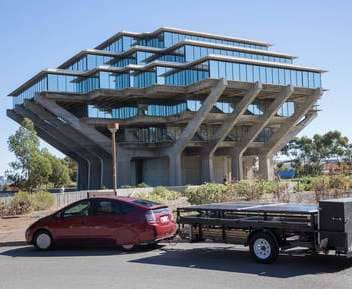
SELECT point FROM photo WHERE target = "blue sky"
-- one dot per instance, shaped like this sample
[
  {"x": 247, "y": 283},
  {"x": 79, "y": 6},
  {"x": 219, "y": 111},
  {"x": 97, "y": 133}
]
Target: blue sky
[{"x": 41, "y": 34}]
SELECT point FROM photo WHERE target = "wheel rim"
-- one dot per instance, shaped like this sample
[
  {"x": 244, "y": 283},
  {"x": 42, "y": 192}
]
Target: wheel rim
[
  {"x": 262, "y": 248},
  {"x": 128, "y": 247},
  {"x": 43, "y": 241}
]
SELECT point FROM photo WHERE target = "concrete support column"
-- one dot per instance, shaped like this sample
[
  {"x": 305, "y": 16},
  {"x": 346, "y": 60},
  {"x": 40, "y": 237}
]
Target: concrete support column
[
  {"x": 175, "y": 169},
  {"x": 236, "y": 166},
  {"x": 266, "y": 167},
  {"x": 95, "y": 173},
  {"x": 174, "y": 153},
  {"x": 248, "y": 164},
  {"x": 124, "y": 171},
  {"x": 207, "y": 167},
  {"x": 107, "y": 173},
  {"x": 82, "y": 175}
]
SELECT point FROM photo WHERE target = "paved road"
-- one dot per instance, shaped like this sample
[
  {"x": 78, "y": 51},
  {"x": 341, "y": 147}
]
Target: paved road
[{"x": 172, "y": 266}]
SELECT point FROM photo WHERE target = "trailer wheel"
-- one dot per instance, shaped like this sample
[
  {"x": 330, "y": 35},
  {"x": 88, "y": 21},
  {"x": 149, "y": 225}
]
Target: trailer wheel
[{"x": 263, "y": 248}]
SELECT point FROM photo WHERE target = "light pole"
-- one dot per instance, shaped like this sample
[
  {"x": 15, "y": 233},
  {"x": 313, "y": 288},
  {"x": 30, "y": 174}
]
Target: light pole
[{"x": 114, "y": 127}]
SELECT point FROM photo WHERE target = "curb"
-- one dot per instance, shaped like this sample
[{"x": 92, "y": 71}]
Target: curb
[{"x": 13, "y": 243}]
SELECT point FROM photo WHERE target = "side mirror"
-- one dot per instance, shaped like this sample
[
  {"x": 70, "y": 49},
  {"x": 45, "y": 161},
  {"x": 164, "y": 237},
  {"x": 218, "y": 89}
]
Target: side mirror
[{"x": 58, "y": 215}]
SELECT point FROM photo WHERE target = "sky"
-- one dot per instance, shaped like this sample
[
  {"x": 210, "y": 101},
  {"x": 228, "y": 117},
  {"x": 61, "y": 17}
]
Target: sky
[{"x": 42, "y": 34}]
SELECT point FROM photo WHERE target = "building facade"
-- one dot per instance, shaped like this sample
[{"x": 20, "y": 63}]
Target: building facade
[{"x": 192, "y": 107}]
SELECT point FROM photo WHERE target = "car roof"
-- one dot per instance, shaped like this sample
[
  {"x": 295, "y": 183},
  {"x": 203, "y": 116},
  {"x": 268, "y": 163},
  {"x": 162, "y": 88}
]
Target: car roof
[{"x": 146, "y": 204}]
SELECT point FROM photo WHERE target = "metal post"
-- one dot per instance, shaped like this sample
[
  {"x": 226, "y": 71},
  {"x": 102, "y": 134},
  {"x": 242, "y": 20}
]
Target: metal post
[{"x": 113, "y": 129}]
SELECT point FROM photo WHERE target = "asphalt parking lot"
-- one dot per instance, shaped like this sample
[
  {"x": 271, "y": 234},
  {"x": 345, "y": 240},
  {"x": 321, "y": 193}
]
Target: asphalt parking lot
[{"x": 180, "y": 265}]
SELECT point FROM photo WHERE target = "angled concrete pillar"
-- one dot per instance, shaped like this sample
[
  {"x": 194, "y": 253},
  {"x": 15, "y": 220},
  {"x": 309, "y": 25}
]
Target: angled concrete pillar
[
  {"x": 54, "y": 137},
  {"x": 233, "y": 118},
  {"x": 76, "y": 138},
  {"x": 95, "y": 136},
  {"x": 123, "y": 169},
  {"x": 224, "y": 130},
  {"x": 287, "y": 130},
  {"x": 254, "y": 131},
  {"x": 174, "y": 153}
]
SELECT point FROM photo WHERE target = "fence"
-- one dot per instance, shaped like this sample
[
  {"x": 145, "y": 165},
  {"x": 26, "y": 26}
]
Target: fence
[{"x": 65, "y": 198}]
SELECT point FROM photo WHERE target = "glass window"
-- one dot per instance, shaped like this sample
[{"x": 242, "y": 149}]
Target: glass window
[
  {"x": 79, "y": 209},
  {"x": 106, "y": 207}
]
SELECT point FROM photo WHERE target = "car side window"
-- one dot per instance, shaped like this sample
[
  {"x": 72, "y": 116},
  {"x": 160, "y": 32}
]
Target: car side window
[
  {"x": 79, "y": 209},
  {"x": 126, "y": 208},
  {"x": 106, "y": 207}
]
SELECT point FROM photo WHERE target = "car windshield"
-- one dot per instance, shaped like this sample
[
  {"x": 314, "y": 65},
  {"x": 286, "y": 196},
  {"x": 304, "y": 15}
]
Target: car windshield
[{"x": 145, "y": 203}]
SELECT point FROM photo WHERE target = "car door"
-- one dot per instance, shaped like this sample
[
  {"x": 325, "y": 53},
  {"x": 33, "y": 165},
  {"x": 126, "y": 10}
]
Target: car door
[
  {"x": 111, "y": 222},
  {"x": 71, "y": 225}
]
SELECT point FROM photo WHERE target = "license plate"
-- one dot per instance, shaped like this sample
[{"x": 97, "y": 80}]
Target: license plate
[{"x": 164, "y": 219}]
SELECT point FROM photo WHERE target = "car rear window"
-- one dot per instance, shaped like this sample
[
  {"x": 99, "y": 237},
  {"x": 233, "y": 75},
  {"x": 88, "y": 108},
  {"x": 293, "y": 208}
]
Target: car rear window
[{"x": 145, "y": 203}]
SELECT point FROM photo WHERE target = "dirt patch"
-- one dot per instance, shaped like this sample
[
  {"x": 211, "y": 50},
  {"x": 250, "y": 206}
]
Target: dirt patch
[{"x": 12, "y": 229}]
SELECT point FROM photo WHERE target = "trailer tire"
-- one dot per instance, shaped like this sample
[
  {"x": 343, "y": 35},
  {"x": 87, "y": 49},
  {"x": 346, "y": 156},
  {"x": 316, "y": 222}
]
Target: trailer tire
[{"x": 263, "y": 247}]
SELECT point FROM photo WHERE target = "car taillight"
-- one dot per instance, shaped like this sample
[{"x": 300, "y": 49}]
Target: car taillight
[{"x": 150, "y": 217}]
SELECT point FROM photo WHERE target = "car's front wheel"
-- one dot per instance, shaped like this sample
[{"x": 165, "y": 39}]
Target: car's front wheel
[{"x": 43, "y": 240}]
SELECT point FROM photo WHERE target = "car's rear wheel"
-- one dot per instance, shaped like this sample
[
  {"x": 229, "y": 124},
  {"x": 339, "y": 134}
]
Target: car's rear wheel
[
  {"x": 127, "y": 247},
  {"x": 263, "y": 248},
  {"x": 43, "y": 240}
]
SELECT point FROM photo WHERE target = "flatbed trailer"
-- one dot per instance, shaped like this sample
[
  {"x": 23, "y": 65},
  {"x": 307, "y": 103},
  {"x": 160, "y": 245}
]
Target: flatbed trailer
[{"x": 271, "y": 228}]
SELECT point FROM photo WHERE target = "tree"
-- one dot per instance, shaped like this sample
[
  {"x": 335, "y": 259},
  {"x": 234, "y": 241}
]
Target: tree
[
  {"x": 308, "y": 154},
  {"x": 33, "y": 167},
  {"x": 72, "y": 168},
  {"x": 60, "y": 172}
]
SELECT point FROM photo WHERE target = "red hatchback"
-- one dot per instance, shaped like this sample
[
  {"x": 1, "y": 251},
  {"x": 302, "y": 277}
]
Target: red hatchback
[{"x": 104, "y": 221}]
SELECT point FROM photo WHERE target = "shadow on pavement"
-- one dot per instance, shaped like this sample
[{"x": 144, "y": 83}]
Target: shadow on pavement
[
  {"x": 30, "y": 251},
  {"x": 227, "y": 259}
]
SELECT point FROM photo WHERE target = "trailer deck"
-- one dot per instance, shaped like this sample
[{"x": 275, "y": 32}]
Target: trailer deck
[{"x": 269, "y": 228}]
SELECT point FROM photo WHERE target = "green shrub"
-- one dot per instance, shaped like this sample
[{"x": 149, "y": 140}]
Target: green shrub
[
  {"x": 210, "y": 193},
  {"x": 249, "y": 190},
  {"x": 142, "y": 185},
  {"x": 3, "y": 209},
  {"x": 20, "y": 204},
  {"x": 42, "y": 200},
  {"x": 159, "y": 195}
]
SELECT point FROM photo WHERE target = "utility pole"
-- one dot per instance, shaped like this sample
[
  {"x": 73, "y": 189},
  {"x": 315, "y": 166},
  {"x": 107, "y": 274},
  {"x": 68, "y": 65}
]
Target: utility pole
[{"x": 114, "y": 127}]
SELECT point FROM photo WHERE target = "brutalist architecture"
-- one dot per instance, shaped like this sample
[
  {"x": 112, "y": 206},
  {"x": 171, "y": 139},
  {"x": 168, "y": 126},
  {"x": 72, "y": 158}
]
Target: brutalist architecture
[{"x": 192, "y": 107}]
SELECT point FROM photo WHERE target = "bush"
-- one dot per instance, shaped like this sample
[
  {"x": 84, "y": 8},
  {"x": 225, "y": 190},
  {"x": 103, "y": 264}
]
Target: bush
[
  {"x": 42, "y": 200},
  {"x": 210, "y": 193},
  {"x": 142, "y": 185},
  {"x": 20, "y": 204},
  {"x": 3, "y": 209},
  {"x": 160, "y": 195},
  {"x": 249, "y": 190}
]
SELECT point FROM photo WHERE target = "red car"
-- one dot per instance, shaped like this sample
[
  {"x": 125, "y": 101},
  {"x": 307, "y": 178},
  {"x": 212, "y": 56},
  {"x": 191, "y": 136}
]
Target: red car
[{"x": 104, "y": 221}]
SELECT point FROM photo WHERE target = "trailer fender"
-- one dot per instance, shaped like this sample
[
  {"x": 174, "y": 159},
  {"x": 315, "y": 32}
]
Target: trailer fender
[{"x": 264, "y": 230}]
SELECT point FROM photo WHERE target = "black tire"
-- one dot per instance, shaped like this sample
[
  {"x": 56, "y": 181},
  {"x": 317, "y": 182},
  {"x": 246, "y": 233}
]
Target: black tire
[
  {"x": 263, "y": 248},
  {"x": 40, "y": 234}
]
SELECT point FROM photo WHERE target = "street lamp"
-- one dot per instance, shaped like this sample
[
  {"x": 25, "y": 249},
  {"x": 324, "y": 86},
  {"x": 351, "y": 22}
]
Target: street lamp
[{"x": 113, "y": 127}]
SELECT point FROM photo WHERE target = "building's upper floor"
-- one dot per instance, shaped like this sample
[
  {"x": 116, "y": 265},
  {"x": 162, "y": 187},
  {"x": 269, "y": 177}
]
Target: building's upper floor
[{"x": 172, "y": 57}]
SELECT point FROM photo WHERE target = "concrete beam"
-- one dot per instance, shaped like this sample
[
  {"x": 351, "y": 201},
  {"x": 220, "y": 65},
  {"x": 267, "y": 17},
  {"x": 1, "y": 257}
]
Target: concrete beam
[
  {"x": 95, "y": 136},
  {"x": 254, "y": 131},
  {"x": 194, "y": 124},
  {"x": 230, "y": 122},
  {"x": 69, "y": 140},
  {"x": 175, "y": 152},
  {"x": 234, "y": 117},
  {"x": 309, "y": 117},
  {"x": 52, "y": 137},
  {"x": 284, "y": 133}
]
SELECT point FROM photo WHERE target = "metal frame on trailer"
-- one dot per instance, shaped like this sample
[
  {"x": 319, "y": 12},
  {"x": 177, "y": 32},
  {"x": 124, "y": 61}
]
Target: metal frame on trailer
[{"x": 281, "y": 219}]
